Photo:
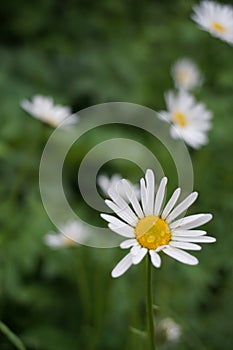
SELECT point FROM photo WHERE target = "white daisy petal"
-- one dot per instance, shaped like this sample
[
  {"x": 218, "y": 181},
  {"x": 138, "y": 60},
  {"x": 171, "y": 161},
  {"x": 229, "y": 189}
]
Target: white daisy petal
[
  {"x": 136, "y": 259},
  {"x": 185, "y": 245},
  {"x": 122, "y": 266},
  {"x": 201, "y": 239},
  {"x": 132, "y": 198},
  {"x": 185, "y": 204},
  {"x": 181, "y": 256},
  {"x": 128, "y": 243},
  {"x": 144, "y": 197},
  {"x": 191, "y": 221},
  {"x": 160, "y": 196},
  {"x": 124, "y": 213},
  {"x": 171, "y": 203},
  {"x": 155, "y": 258},
  {"x": 113, "y": 220},
  {"x": 124, "y": 230},
  {"x": 150, "y": 181},
  {"x": 117, "y": 197},
  {"x": 135, "y": 249},
  {"x": 187, "y": 233}
]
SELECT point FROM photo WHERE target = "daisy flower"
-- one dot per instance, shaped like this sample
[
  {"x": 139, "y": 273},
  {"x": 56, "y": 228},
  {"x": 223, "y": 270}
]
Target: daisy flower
[
  {"x": 170, "y": 329},
  {"x": 190, "y": 120},
  {"x": 215, "y": 18},
  {"x": 72, "y": 233},
  {"x": 186, "y": 74},
  {"x": 43, "y": 108},
  {"x": 106, "y": 183},
  {"x": 151, "y": 228}
]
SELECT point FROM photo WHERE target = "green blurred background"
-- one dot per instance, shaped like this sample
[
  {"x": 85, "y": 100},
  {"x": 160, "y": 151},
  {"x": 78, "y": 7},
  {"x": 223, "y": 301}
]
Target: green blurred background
[{"x": 84, "y": 53}]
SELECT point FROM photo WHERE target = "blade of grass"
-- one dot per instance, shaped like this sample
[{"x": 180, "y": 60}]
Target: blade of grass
[{"x": 13, "y": 338}]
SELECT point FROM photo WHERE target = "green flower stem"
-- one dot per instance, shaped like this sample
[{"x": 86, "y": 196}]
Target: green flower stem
[
  {"x": 150, "y": 318},
  {"x": 12, "y": 337}
]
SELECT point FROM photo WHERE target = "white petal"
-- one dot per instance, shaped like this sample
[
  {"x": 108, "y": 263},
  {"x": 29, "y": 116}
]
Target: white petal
[
  {"x": 181, "y": 256},
  {"x": 115, "y": 196},
  {"x": 171, "y": 203},
  {"x": 201, "y": 239},
  {"x": 191, "y": 221},
  {"x": 140, "y": 255},
  {"x": 135, "y": 249},
  {"x": 122, "y": 266},
  {"x": 185, "y": 245},
  {"x": 143, "y": 196},
  {"x": 187, "y": 233},
  {"x": 128, "y": 243},
  {"x": 124, "y": 230},
  {"x": 124, "y": 213},
  {"x": 155, "y": 258},
  {"x": 150, "y": 181},
  {"x": 185, "y": 204},
  {"x": 160, "y": 196},
  {"x": 131, "y": 195},
  {"x": 113, "y": 220}
]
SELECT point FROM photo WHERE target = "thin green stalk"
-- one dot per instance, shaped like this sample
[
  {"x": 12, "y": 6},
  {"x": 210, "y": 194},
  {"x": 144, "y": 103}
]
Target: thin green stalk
[
  {"x": 150, "y": 318},
  {"x": 12, "y": 337}
]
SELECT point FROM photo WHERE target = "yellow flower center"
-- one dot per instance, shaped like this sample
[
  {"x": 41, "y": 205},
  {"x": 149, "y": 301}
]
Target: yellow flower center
[
  {"x": 152, "y": 232},
  {"x": 68, "y": 242},
  {"x": 182, "y": 75},
  {"x": 179, "y": 118},
  {"x": 218, "y": 27}
]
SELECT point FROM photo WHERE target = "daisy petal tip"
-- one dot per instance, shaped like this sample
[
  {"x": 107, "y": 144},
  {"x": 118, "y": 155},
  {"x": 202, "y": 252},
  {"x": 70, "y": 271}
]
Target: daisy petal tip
[
  {"x": 194, "y": 262},
  {"x": 114, "y": 274},
  {"x": 209, "y": 217},
  {"x": 211, "y": 239},
  {"x": 165, "y": 180}
]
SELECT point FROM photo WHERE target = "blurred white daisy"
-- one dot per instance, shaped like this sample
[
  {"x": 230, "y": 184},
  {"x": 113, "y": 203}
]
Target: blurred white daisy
[
  {"x": 170, "y": 330},
  {"x": 106, "y": 183},
  {"x": 186, "y": 74},
  {"x": 150, "y": 228},
  {"x": 215, "y": 18},
  {"x": 43, "y": 108},
  {"x": 190, "y": 120},
  {"x": 72, "y": 233}
]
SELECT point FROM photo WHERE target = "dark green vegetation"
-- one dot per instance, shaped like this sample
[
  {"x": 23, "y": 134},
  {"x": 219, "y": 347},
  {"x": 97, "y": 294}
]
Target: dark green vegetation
[{"x": 83, "y": 53}]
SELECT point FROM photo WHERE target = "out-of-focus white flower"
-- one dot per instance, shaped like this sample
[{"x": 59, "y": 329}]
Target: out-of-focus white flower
[
  {"x": 170, "y": 329},
  {"x": 71, "y": 234},
  {"x": 106, "y": 183},
  {"x": 190, "y": 120},
  {"x": 215, "y": 18},
  {"x": 186, "y": 74},
  {"x": 150, "y": 228},
  {"x": 43, "y": 108}
]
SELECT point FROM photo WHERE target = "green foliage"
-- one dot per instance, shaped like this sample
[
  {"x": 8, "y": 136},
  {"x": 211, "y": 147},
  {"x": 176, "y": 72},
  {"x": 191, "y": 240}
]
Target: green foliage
[{"x": 83, "y": 53}]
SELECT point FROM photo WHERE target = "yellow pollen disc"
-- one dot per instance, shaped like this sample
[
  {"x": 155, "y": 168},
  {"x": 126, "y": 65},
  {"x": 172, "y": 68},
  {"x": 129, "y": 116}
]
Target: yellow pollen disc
[
  {"x": 182, "y": 76},
  {"x": 179, "y": 118},
  {"x": 218, "y": 27},
  {"x": 68, "y": 242},
  {"x": 152, "y": 232}
]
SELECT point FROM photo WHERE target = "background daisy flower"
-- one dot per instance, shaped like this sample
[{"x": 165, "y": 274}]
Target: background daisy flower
[
  {"x": 43, "y": 108},
  {"x": 71, "y": 234},
  {"x": 215, "y": 18},
  {"x": 169, "y": 330},
  {"x": 186, "y": 74},
  {"x": 190, "y": 120},
  {"x": 150, "y": 228}
]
